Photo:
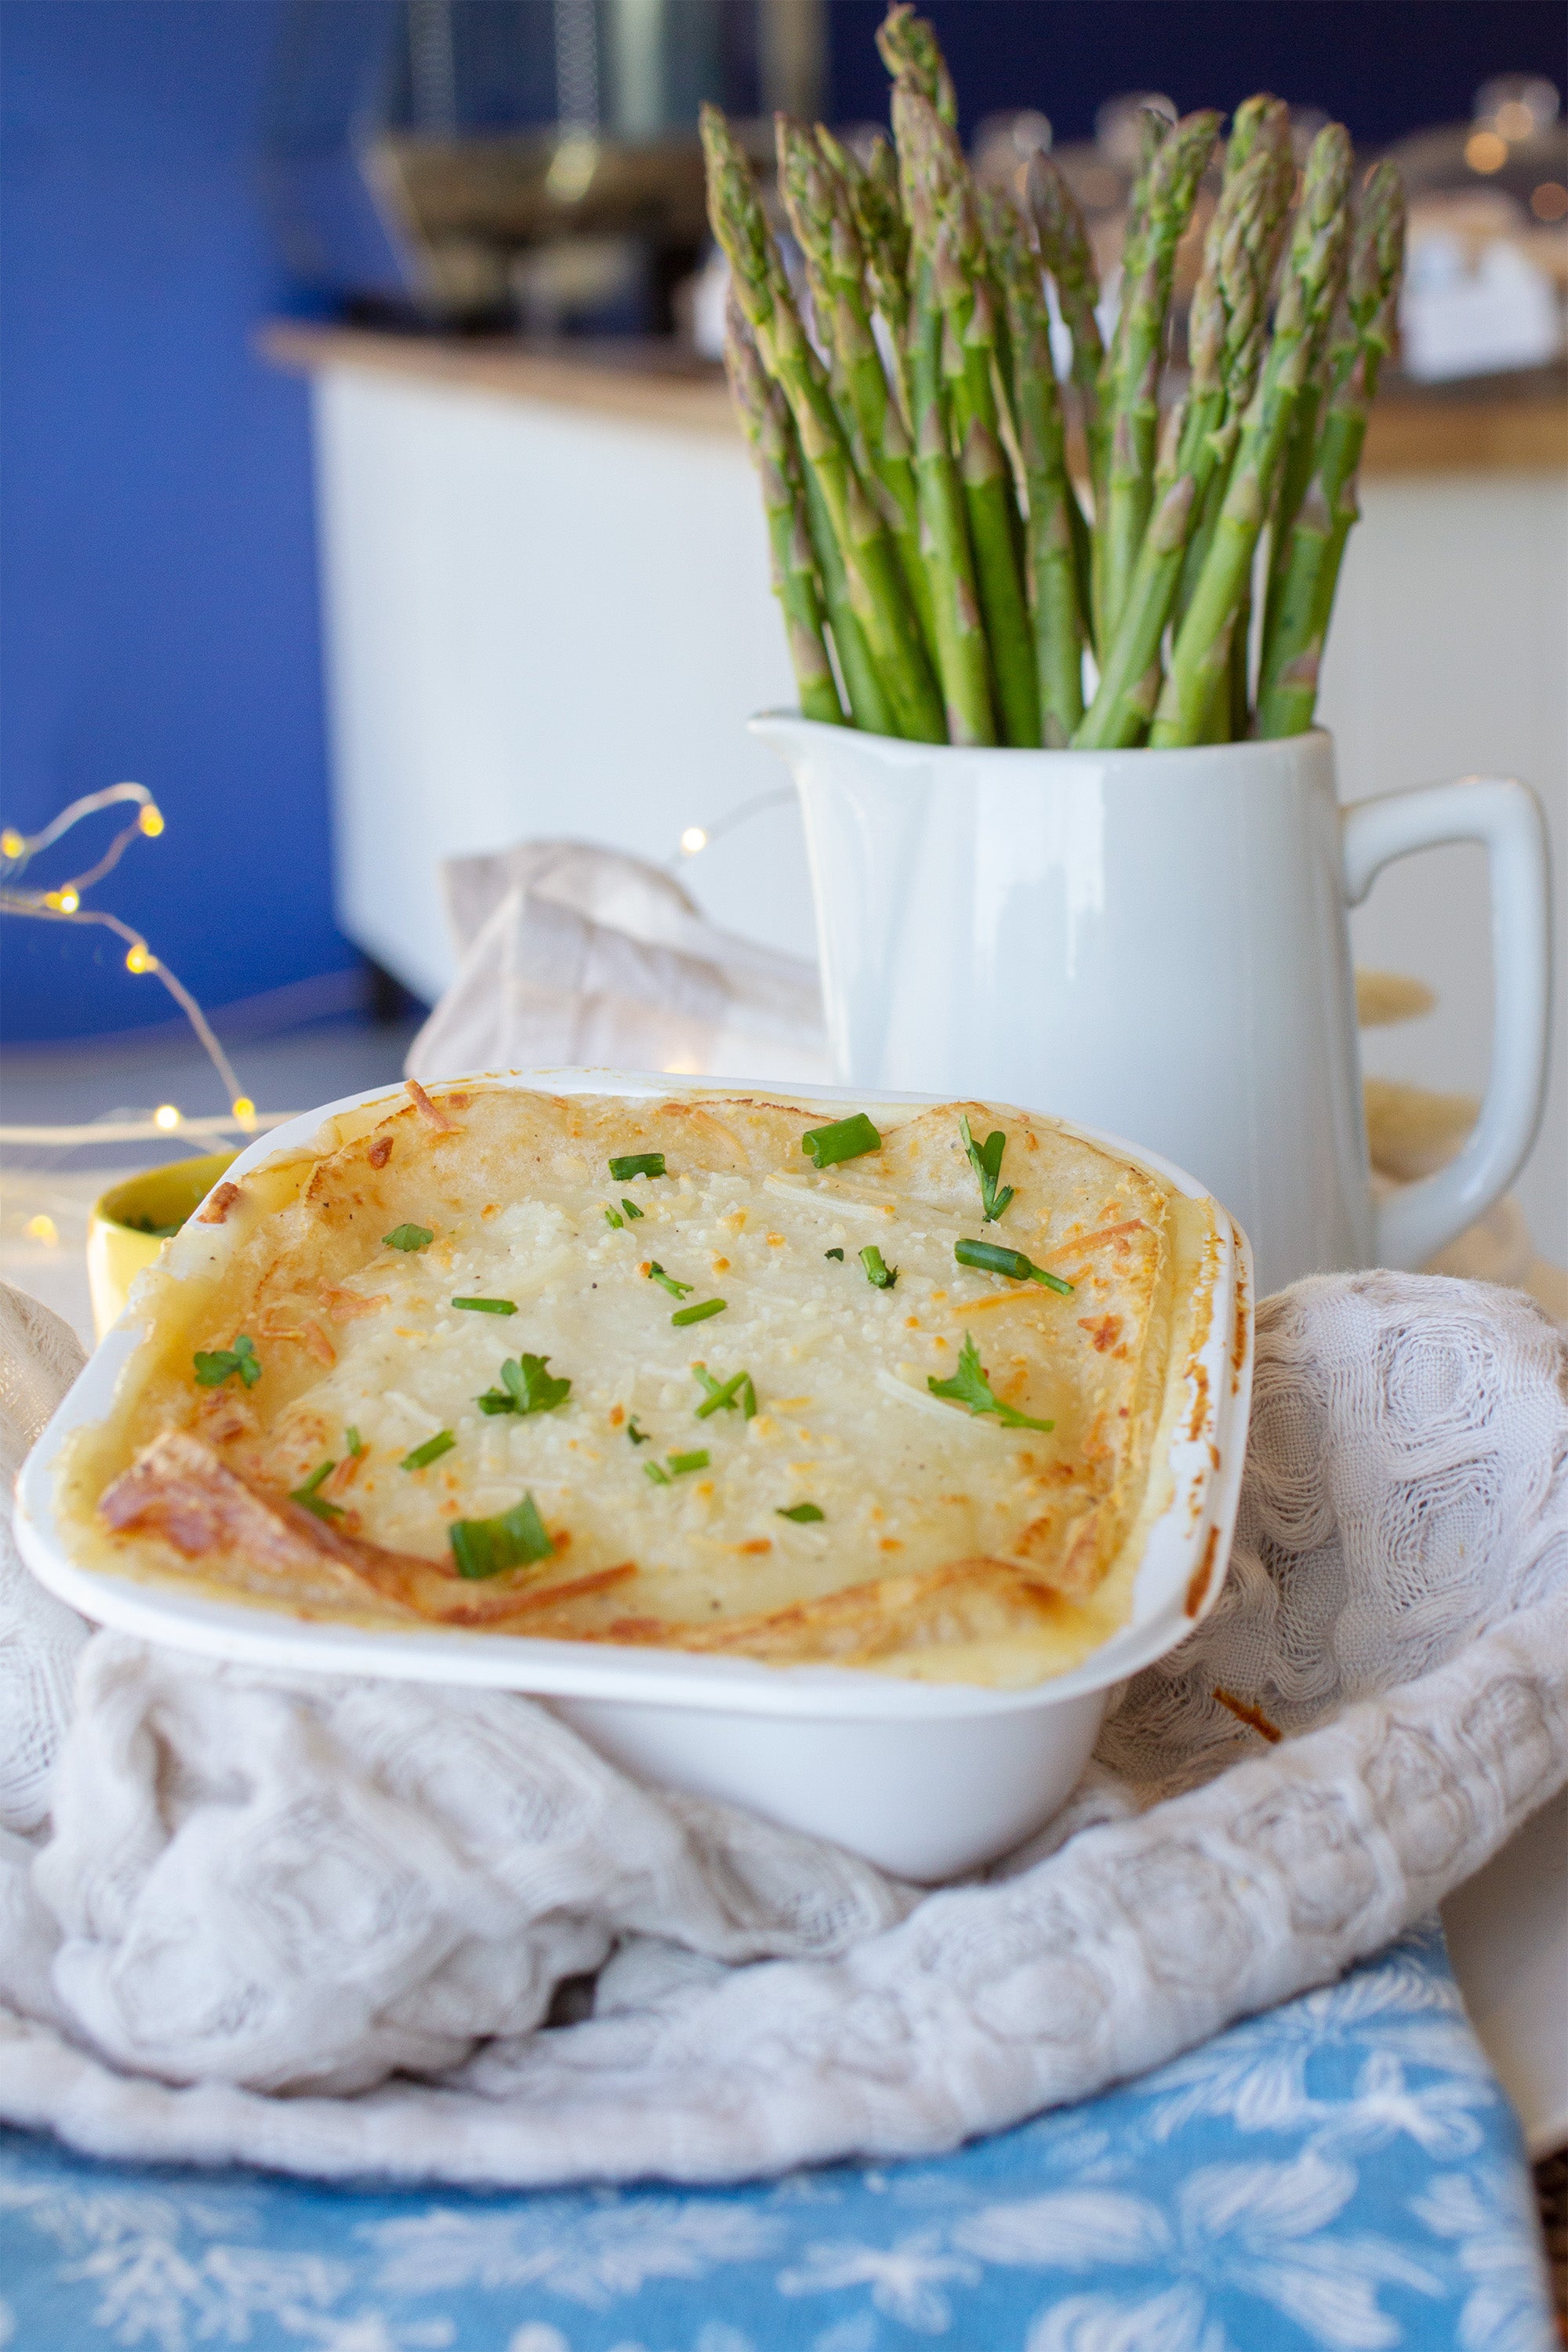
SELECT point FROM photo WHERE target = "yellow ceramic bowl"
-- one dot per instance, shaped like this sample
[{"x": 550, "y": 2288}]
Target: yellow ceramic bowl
[{"x": 130, "y": 1224}]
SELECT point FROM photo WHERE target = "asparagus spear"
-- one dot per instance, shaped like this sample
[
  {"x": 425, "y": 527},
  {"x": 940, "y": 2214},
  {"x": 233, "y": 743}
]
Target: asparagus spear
[
  {"x": 1260, "y": 124},
  {"x": 823, "y": 219},
  {"x": 872, "y": 188},
  {"x": 764, "y": 414},
  {"x": 963, "y": 659},
  {"x": 1299, "y": 620},
  {"x": 1223, "y": 346},
  {"x": 1052, "y": 567},
  {"x": 912, "y": 54},
  {"x": 1137, "y": 354},
  {"x": 871, "y": 562},
  {"x": 945, "y": 220},
  {"x": 1201, "y": 655},
  {"x": 1068, "y": 255},
  {"x": 863, "y": 688}
]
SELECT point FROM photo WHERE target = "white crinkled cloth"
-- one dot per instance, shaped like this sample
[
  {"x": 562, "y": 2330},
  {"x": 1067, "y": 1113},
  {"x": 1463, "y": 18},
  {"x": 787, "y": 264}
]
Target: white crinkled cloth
[{"x": 331, "y": 1889}]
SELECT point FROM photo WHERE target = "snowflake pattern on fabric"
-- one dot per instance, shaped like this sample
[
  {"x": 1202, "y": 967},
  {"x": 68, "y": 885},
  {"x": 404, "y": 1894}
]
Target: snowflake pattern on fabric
[{"x": 1341, "y": 2173}]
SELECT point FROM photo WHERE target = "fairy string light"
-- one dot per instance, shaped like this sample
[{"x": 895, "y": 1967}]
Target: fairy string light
[{"x": 63, "y": 904}]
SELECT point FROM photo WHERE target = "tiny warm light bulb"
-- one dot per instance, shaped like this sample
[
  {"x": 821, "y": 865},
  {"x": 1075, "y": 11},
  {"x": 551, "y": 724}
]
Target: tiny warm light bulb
[
  {"x": 151, "y": 822},
  {"x": 694, "y": 839},
  {"x": 138, "y": 959},
  {"x": 244, "y": 1109},
  {"x": 42, "y": 1229},
  {"x": 1513, "y": 120},
  {"x": 166, "y": 1116},
  {"x": 1485, "y": 152},
  {"x": 12, "y": 843}
]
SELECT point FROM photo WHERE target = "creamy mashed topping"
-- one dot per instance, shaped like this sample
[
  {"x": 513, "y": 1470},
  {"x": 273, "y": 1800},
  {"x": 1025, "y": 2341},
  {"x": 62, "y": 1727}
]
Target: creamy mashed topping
[{"x": 926, "y": 1538}]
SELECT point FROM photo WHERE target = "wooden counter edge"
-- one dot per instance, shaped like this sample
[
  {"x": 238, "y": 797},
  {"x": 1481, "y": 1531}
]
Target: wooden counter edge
[{"x": 1522, "y": 433}]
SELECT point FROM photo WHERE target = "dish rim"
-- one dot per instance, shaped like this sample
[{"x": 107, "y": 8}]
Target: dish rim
[{"x": 261, "y": 1635}]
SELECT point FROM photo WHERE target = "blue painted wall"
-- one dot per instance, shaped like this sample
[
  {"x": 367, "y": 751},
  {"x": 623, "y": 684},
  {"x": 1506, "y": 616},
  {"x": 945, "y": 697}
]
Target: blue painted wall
[{"x": 158, "y": 610}]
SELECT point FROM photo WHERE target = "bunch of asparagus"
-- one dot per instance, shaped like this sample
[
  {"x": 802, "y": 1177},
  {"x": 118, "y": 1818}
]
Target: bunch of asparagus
[{"x": 942, "y": 573}]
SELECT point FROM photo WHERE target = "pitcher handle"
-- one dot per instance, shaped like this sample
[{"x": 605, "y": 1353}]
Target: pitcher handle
[{"x": 1415, "y": 1222}]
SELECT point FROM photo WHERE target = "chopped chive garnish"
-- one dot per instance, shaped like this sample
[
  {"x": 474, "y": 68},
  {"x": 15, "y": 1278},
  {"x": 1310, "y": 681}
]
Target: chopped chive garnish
[
  {"x": 613, "y": 1217},
  {"x": 837, "y": 1254},
  {"x": 526, "y": 1387},
  {"x": 990, "y": 1257},
  {"x": 880, "y": 1277},
  {"x": 847, "y": 1139},
  {"x": 637, "y": 1164},
  {"x": 486, "y": 1306},
  {"x": 655, "y": 1273},
  {"x": 985, "y": 1158},
  {"x": 215, "y": 1365},
  {"x": 700, "y": 1313},
  {"x": 408, "y": 1237},
  {"x": 431, "y": 1451},
  {"x": 803, "y": 1514},
  {"x": 353, "y": 1443},
  {"x": 651, "y": 1470},
  {"x": 638, "y": 1436},
  {"x": 679, "y": 1464},
  {"x": 313, "y": 1501},
  {"x": 727, "y": 1396},
  {"x": 145, "y": 1225},
  {"x": 631, "y": 1208},
  {"x": 513, "y": 1538},
  {"x": 970, "y": 1386}
]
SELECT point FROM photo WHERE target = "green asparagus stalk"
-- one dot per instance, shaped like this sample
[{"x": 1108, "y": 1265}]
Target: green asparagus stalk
[
  {"x": 1200, "y": 658},
  {"x": 1298, "y": 618},
  {"x": 870, "y": 561},
  {"x": 822, "y": 216},
  {"x": 1052, "y": 565},
  {"x": 1069, "y": 256},
  {"x": 912, "y": 54},
  {"x": 863, "y": 688},
  {"x": 1137, "y": 355},
  {"x": 1260, "y": 123},
  {"x": 1224, "y": 349},
  {"x": 963, "y": 659},
  {"x": 872, "y": 188},
  {"x": 764, "y": 414},
  {"x": 946, "y": 234}
]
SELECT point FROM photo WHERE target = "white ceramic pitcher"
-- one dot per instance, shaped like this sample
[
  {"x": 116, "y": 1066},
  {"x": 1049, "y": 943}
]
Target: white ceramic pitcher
[{"x": 1156, "y": 943}]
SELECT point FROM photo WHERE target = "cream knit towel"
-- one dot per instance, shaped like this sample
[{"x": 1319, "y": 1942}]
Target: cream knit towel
[{"x": 388, "y": 1901}]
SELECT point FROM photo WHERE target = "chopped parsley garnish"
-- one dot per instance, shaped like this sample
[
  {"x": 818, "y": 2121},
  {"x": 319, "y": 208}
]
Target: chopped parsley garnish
[
  {"x": 214, "y": 1366},
  {"x": 990, "y": 1257},
  {"x": 986, "y": 1161},
  {"x": 734, "y": 1395},
  {"x": 613, "y": 1217},
  {"x": 408, "y": 1237},
  {"x": 837, "y": 1254},
  {"x": 655, "y": 1273},
  {"x": 803, "y": 1514},
  {"x": 880, "y": 1276},
  {"x": 847, "y": 1139},
  {"x": 700, "y": 1313},
  {"x": 353, "y": 1443},
  {"x": 637, "y": 1164},
  {"x": 679, "y": 1464},
  {"x": 514, "y": 1538},
  {"x": 631, "y": 1208},
  {"x": 431, "y": 1451},
  {"x": 638, "y": 1436},
  {"x": 969, "y": 1386},
  {"x": 486, "y": 1306},
  {"x": 526, "y": 1387},
  {"x": 312, "y": 1500}
]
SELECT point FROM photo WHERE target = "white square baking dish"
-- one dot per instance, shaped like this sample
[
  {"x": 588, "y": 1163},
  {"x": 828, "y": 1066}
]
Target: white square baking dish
[{"x": 925, "y": 1779}]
